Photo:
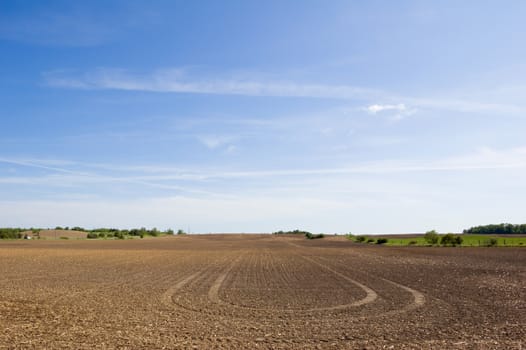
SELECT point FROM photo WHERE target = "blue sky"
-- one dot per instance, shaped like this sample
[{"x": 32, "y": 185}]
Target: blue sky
[{"x": 245, "y": 116}]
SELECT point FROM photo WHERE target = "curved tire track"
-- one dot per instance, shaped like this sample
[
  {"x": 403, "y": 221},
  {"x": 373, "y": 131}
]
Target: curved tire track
[
  {"x": 370, "y": 295},
  {"x": 419, "y": 298}
]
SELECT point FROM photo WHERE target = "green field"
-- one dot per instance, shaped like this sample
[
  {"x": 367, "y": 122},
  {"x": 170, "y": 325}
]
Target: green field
[{"x": 467, "y": 240}]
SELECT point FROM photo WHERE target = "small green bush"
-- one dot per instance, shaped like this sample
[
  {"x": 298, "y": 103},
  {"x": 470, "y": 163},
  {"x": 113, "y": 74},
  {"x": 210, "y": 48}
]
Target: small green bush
[
  {"x": 361, "y": 239},
  {"x": 492, "y": 242},
  {"x": 93, "y": 235},
  {"x": 381, "y": 240},
  {"x": 314, "y": 236},
  {"x": 370, "y": 240},
  {"x": 294, "y": 232},
  {"x": 431, "y": 237},
  {"x": 64, "y": 237},
  {"x": 412, "y": 242},
  {"x": 451, "y": 240}
]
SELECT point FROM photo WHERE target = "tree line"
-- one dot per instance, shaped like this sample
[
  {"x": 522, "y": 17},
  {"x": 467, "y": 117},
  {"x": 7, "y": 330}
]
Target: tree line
[
  {"x": 497, "y": 229},
  {"x": 18, "y": 232}
]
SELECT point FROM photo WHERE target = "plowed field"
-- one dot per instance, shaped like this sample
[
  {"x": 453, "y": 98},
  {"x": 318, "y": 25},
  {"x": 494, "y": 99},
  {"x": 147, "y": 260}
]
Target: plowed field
[{"x": 258, "y": 291}]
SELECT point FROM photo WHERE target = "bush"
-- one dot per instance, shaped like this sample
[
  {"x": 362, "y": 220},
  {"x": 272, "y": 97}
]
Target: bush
[
  {"x": 381, "y": 240},
  {"x": 11, "y": 233},
  {"x": 153, "y": 232},
  {"x": 312, "y": 236},
  {"x": 93, "y": 235},
  {"x": 294, "y": 232},
  {"x": 412, "y": 242},
  {"x": 181, "y": 232},
  {"x": 370, "y": 240},
  {"x": 102, "y": 235},
  {"x": 64, "y": 237},
  {"x": 431, "y": 237},
  {"x": 451, "y": 240},
  {"x": 361, "y": 239},
  {"x": 492, "y": 242}
]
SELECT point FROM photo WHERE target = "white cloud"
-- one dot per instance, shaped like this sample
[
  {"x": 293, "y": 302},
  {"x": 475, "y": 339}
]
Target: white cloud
[
  {"x": 380, "y": 108},
  {"x": 215, "y": 141},
  {"x": 398, "y": 111}
]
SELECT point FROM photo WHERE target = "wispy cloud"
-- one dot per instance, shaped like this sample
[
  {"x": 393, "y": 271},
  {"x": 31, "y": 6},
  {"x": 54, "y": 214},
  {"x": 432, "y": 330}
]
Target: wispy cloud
[
  {"x": 400, "y": 110},
  {"x": 176, "y": 80},
  {"x": 158, "y": 175},
  {"x": 181, "y": 80},
  {"x": 215, "y": 141},
  {"x": 373, "y": 109},
  {"x": 75, "y": 177},
  {"x": 265, "y": 199}
]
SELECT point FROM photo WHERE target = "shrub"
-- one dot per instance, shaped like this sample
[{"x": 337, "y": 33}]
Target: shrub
[
  {"x": 181, "y": 232},
  {"x": 431, "y": 237},
  {"x": 64, "y": 237},
  {"x": 10, "y": 233},
  {"x": 153, "y": 232},
  {"x": 361, "y": 239},
  {"x": 102, "y": 235},
  {"x": 412, "y": 242},
  {"x": 370, "y": 240},
  {"x": 93, "y": 235},
  {"x": 314, "y": 236},
  {"x": 381, "y": 240},
  {"x": 451, "y": 240},
  {"x": 294, "y": 232},
  {"x": 492, "y": 242}
]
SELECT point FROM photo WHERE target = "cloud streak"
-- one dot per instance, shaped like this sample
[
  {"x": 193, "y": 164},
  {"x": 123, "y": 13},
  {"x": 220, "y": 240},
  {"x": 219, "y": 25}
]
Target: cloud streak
[
  {"x": 157, "y": 175},
  {"x": 176, "y": 81},
  {"x": 181, "y": 81},
  {"x": 373, "y": 109}
]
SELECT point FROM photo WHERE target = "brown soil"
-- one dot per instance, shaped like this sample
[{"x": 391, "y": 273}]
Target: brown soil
[{"x": 258, "y": 291}]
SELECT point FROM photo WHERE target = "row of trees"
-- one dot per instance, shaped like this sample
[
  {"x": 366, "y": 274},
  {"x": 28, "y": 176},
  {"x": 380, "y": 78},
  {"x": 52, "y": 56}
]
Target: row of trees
[
  {"x": 13, "y": 232},
  {"x": 17, "y": 232},
  {"x": 121, "y": 234},
  {"x": 497, "y": 229},
  {"x": 366, "y": 239},
  {"x": 307, "y": 234},
  {"x": 449, "y": 239},
  {"x": 294, "y": 232}
]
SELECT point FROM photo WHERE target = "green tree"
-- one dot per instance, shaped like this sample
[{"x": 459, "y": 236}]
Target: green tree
[
  {"x": 431, "y": 237},
  {"x": 451, "y": 240}
]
